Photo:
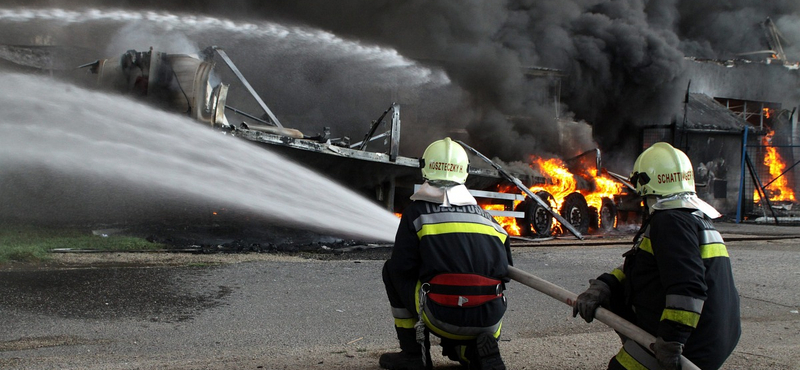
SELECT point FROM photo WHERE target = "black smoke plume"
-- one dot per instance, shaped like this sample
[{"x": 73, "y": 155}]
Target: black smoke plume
[{"x": 620, "y": 63}]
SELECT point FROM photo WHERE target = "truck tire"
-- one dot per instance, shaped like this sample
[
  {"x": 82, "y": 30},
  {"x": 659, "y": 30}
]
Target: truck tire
[
  {"x": 537, "y": 220},
  {"x": 576, "y": 211},
  {"x": 605, "y": 219}
]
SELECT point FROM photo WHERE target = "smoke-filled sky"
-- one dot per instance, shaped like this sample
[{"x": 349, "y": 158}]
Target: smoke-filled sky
[{"x": 622, "y": 62}]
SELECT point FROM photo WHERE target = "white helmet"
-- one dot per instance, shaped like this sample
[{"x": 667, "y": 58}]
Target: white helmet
[
  {"x": 445, "y": 160},
  {"x": 662, "y": 170}
]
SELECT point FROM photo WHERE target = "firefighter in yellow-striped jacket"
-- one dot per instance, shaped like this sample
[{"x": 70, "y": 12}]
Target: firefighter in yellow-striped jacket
[
  {"x": 676, "y": 283},
  {"x": 447, "y": 271}
]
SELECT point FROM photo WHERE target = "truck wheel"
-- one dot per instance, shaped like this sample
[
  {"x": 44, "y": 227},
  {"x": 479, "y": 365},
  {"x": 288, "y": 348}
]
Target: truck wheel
[
  {"x": 537, "y": 220},
  {"x": 605, "y": 219},
  {"x": 594, "y": 218},
  {"x": 576, "y": 212},
  {"x": 607, "y": 216}
]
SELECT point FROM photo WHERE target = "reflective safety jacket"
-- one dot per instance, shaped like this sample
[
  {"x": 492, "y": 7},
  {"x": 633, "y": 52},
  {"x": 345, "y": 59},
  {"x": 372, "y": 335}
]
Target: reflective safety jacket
[
  {"x": 678, "y": 282},
  {"x": 434, "y": 240}
]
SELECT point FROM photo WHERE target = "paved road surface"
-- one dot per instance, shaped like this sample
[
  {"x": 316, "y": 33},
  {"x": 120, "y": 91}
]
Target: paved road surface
[{"x": 282, "y": 312}]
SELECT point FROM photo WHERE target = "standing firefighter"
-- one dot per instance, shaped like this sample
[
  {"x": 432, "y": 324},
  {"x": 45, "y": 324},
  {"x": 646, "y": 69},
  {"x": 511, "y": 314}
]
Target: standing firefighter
[
  {"x": 447, "y": 271},
  {"x": 676, "y": 282}
]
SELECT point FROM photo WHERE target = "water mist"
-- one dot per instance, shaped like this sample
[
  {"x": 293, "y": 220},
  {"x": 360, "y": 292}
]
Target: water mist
[{"x": 70, "y": 153}]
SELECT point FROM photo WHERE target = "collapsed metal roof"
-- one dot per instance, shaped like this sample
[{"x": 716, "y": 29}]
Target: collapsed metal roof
[{"x": 703, "y": 113}]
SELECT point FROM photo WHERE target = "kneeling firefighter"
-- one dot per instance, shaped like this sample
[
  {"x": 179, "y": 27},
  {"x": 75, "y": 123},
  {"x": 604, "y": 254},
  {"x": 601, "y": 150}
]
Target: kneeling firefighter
[
  {"x": 448, "y": 270},
  {"x": 676, "y": 283}
]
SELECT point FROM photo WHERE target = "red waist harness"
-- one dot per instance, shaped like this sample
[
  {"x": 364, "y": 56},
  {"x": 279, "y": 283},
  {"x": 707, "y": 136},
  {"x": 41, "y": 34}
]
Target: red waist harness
[{"x": 463, "y": 290}]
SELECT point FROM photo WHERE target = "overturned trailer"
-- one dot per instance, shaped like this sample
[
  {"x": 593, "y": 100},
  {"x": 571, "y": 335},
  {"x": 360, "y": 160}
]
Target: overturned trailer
[{"x": 185, "y": 84}]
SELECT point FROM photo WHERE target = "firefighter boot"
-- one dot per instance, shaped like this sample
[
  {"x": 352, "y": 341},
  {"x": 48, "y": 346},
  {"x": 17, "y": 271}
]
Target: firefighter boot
[
  {"x": 489, "y": 353},
  {"x": 410, "y": 355}
]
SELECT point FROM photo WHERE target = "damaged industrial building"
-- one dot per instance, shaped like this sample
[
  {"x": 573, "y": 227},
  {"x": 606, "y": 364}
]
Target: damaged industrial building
[
  {"x": 736, "y": 122},
  {"x": 739, "y": 128}
]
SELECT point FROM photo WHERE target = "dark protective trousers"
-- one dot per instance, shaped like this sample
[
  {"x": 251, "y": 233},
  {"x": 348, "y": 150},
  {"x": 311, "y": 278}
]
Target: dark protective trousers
[{"x": 401, "y": 296}]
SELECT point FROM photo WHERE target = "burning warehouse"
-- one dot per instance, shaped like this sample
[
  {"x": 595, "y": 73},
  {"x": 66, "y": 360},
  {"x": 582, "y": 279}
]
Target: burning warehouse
[{"x": 739, "y": 128}]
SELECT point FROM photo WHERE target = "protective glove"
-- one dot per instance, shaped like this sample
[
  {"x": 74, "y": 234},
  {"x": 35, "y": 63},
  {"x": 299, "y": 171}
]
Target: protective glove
[
  {"x": 668, "y": 354},
  {"x": 588, "y": 301}
]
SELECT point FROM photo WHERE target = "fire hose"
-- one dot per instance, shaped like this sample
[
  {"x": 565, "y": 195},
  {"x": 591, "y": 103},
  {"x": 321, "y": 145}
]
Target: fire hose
[{"x": 605, "y": 316}]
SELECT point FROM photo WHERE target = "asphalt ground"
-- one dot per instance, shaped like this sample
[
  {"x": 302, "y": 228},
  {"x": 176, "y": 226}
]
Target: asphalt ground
[{"x": 329, "y": 311}]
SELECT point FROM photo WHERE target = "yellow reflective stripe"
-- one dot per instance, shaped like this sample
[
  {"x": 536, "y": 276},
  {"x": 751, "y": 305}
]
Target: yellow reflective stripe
[
  {"x": 459, "y": 227},
  {"x": 405, "y": 323},
  {"x": 706, "y": 250},
  {"x": 618, "y": 274},
  {"x": 445, "y": 334},
  {"x": 682, "y": 317},
  {"x": 713, "y": 250},
  {"x": 628, "y": 362},
  {"x": 646, "y": 246},
  {"x": 462, "y": 353},
  {"x": 416, "y": 296}
]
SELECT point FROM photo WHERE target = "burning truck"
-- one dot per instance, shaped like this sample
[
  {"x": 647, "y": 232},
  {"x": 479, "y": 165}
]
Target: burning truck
[
  {"x": 576, "y": 195},
  {"x": 588, "y": 197}
]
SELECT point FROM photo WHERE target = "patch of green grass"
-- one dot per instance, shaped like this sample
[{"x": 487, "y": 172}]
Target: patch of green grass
[{"x": 33, "y": 243}]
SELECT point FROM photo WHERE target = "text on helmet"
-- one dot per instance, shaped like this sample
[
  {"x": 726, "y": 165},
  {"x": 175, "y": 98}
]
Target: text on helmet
[
  {"x": 666, "y": 178},
  {"x": 444, "y": 166}
]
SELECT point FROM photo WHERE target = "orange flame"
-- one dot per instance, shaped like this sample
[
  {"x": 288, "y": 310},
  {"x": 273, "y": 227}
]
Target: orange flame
[
  {"x": 562, "y": 182},
  {"x": 508, "y": 223},
  {"x": 605, "y": 187},
  {"x": 766, "y": 112},
  {"x": 779, "y": 189}
]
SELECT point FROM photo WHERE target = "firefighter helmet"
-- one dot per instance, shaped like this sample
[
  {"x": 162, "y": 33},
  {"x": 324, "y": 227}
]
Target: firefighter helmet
[
  {"x": 445, "y": 160},
  {"x": 662, "y": 170}
]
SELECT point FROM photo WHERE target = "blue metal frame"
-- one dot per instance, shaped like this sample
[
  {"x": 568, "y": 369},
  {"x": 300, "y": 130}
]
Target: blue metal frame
[{"x": 741, "y": 178}]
